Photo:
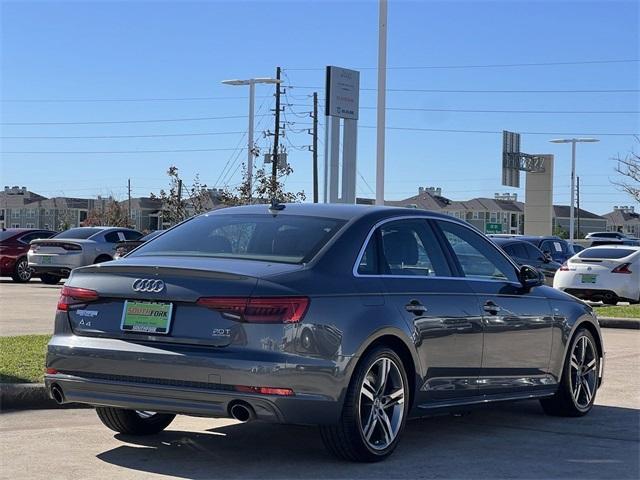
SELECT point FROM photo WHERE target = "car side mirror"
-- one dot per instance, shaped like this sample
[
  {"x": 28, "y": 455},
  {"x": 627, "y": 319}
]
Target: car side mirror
[{"x": 531, "y": 277}]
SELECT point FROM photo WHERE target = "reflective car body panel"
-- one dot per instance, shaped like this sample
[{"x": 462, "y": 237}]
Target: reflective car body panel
[{"x": 455, "y": 350}]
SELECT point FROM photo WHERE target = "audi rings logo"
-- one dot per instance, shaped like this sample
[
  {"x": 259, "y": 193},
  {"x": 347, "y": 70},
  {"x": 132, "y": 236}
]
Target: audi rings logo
[{"x": 148, "y": 285}]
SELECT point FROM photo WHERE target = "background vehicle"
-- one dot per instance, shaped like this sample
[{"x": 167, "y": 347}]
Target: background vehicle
[
  {"x": 125, "y": 246},
  {"x": 607, "y": 273},
  {"x": 525, "y": 253},
  {"x": 348, "y": 317},
  {"x": 611, "y": 238},
  {"x": 14, "y": 245},
  {"x": 577, "y": 248},
  {"x": 560, "y": 250},
  {"x": 54, "y": 258}
]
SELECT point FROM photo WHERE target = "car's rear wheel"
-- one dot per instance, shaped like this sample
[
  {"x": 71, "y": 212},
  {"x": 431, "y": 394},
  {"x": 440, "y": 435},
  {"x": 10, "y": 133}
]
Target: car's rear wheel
[
  {"x": 102, "y": 258},
  {"x": 374, "y": 412},
  {"x": 21, "y": 271},
  {"x": 134, "y": 422},
  {"x": 49, "y": 279},
  {"x": 579, "y": 383}
]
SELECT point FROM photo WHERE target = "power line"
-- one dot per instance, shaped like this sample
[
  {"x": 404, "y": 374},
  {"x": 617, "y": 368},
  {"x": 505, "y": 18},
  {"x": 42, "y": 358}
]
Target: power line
[
  {"x": 154, "y": 135},
  {"x": 95, "y": 100},
  {"x": 443, "y": 130},
  {"x": 493, "y": 65},
  {"x": 462, "y": 110},
  {"x": 161, "y": 120},
  {"x": 442, "y": 90},
  {"x": 125, "y": 151}
]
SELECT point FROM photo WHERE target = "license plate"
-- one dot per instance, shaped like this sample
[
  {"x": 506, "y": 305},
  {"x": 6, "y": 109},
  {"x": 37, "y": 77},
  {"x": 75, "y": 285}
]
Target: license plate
[
  {"x": 589, "y": 278},
  {"x": 146, "y": 317},
  {"x": 48, "y": 260}
]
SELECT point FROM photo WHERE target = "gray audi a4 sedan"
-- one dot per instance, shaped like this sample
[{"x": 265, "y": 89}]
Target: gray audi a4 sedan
[{"x": 353, "y": 318}]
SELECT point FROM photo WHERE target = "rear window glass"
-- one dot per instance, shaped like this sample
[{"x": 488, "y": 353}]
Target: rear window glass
[
  {"x": 605, "y": 253},
  {"x": 79, "y": 233},
  {"x": 279, "y": 238},
  {"x": 5, "y": 235}
]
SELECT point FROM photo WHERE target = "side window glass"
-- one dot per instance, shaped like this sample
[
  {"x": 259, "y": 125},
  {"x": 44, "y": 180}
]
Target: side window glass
[
  {"x": 131, "y": 235},
  {"x": 409, "y": 247},
  {"x": 369, "y": 261},
  {"x": 533, "y": 253},
  {"x": 477, "y": 256},
  {"x": 112, "y": 237}
]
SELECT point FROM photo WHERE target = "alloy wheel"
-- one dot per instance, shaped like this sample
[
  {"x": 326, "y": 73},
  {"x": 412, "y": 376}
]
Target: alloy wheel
[
  {"x": 23, "y": 270},
  {"x": 381, "y": 407},
  {"x": 583, "y": 375}
]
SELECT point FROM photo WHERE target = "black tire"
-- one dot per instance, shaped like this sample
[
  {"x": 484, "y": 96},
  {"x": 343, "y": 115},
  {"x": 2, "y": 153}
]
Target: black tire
[
  {"x": 132, "y": 422},
  {"x": 610, "y": 301},
  {"x": 21, "y": 271},
  {"x": 49, "y": 279},
  {"x": 102, "y": 258},
  {"x": 346, "y": 440},
  {"x": 564, "y": 403}
]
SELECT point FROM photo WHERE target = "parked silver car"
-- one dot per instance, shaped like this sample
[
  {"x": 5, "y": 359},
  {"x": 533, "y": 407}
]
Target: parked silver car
[{"x": 54, "y": 258}]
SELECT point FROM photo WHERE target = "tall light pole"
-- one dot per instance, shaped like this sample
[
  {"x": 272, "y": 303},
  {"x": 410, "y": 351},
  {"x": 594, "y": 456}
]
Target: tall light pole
[
  {"x": 382, "y": 101},
  {"x": 573, "y": 142},
  {"x": 252, "y": 98}
]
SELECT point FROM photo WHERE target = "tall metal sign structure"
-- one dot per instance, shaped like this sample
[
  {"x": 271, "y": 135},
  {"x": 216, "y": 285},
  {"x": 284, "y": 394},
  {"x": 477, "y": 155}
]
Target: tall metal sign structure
[
  {"x": 342, "y": 99},
  {"x": 538, "y": 207}
]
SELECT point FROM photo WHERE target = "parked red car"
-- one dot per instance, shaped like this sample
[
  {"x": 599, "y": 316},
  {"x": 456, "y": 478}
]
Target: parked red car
[{"x": 14, "y": 245}]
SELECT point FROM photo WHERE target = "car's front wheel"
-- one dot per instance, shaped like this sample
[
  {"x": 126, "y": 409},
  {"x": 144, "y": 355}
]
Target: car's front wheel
[
  {"x": 134, "y": 422},
  {"x": 375, "y": 410},
  {"x": 21, "y": 271},
  {"x": 579, "y": 383}
]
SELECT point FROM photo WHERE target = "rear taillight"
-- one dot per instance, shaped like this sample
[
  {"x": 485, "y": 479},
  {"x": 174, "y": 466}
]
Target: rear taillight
[
  {"x": 283, "y": 392},
  {"x": 75, "y": 296},
  {"x": 564, "y": 267},
  {"x": 624, "y": 268},
  {"x": 71, "y": 247},
  {"x": 259, "y": 310},
  {"x": 34, "y": 248}
]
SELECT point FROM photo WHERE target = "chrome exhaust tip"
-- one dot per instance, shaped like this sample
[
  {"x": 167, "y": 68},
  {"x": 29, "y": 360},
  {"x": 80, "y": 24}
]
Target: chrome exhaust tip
[
  {"x": 57, "y": 394},
  {"x": 242, "y": 411}
]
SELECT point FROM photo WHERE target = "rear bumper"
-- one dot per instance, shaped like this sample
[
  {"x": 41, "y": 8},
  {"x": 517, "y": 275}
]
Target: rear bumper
[
  {"x": 58, "y": 271},
  {"x": 206, "y": 402},
  {"x": 194, "y": 380}
]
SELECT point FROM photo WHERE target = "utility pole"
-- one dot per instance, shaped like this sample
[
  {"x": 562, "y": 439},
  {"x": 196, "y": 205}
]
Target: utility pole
[
  {"x": 276, "y": 137},
  {"x": 578, "y": 202},
  {"x": 179, "y": 210},
  {"x": 382, "y": 100},
  {"x": 315, "y": 147},
  {"x": 129, "y": 200}
]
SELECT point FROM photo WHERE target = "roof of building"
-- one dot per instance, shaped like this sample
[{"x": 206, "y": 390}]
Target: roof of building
[
  {"x": 564, "y": 211},
  {"x": 620, "y": 217}
]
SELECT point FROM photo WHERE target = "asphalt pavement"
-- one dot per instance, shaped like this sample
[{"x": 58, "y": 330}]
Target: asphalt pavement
[
  {"x": 27, "y": 308},
  {"x": 502, "y": 441}
]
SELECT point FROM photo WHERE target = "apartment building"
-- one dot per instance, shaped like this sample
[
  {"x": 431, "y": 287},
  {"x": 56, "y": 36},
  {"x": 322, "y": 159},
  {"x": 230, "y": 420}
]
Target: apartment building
[{"x": 623, "y": 219}]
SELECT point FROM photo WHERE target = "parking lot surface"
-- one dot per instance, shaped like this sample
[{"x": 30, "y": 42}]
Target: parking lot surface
[
  {"x": 27, "y": 308},
  {"x": 508, "y": 441}
]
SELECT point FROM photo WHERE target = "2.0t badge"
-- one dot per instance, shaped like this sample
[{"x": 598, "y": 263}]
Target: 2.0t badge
[{"x": 148, "y": 285}]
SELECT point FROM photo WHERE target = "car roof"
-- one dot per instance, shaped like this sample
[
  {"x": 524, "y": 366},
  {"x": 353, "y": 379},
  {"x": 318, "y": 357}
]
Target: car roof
[
  {"x": 508, "y": 241},
  {"x": 528, "y": 238},
  {"x": 615, "y": 246},
  {"x": 329, "y": 210}
]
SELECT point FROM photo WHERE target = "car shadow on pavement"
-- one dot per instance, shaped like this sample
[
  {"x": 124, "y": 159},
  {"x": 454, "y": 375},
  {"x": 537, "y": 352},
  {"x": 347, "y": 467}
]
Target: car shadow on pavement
[{"x": 508, "y": 441}]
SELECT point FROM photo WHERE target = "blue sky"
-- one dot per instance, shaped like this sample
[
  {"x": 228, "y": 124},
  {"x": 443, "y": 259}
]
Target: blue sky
[{"x": 140, "y": 50}]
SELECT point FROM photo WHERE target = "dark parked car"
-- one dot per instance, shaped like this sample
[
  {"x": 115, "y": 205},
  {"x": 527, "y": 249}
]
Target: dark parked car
[
  {"x": 348, "y": 317},
  {"x": 14, "y": 246},
  {"x": 525, "y": 253},
  {"x": 560, "y": 250},
  {"x": 125, "y": 246}
]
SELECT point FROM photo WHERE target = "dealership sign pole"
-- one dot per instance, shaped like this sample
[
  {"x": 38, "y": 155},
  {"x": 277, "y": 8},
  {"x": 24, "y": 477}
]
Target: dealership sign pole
[{"x": 342, "y": 96}]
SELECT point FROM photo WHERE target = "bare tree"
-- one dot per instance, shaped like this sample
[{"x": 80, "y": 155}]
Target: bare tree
[
  {"x": 629, "y": 168},
  {"x": 181, "y": 201},
  {"x": 264, "y": 189},
  {"x": 112, "y": 214}
]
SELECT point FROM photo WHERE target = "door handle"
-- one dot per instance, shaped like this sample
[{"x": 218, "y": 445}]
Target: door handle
[
  {"x": 415, "y": 307},
  {"x": 491, "y": 308}
]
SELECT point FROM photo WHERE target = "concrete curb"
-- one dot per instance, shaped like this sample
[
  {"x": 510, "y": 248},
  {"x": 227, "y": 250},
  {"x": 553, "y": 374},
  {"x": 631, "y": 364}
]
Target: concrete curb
[
  {"x": 611, "y": 322},
  {"x": 28, "y": 396}
]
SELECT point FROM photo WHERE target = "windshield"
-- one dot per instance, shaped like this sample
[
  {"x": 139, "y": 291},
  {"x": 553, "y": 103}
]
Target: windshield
[
  {"x": 280, "y": 238},
  {"x": 6, "y": 234},
  {"x": 612, "y": 253},
  {"x": 78, "y": 233}
]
